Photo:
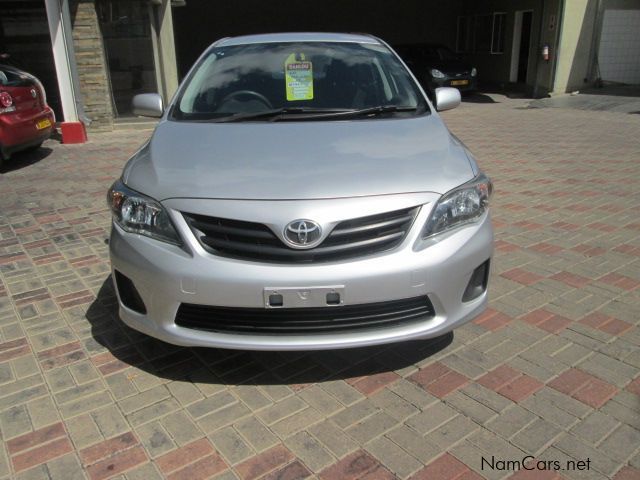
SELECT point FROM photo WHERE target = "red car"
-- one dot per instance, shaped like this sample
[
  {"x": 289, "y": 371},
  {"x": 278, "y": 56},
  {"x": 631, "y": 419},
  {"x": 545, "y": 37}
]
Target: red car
[{"x": 25, "y": 118}]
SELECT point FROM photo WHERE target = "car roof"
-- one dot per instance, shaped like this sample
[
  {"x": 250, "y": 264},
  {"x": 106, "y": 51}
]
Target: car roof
[{"x": 298, "y": 37}]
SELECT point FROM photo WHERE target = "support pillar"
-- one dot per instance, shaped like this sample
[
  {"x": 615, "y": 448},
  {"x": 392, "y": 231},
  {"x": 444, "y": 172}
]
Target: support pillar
[{"x": 72, "y": 127}]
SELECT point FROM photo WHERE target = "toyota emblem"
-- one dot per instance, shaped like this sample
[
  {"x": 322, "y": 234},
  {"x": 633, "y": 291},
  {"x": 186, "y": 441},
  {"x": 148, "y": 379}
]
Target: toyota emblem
[
  {"x": 303, "y": 233},
  {"x": 34, "y": 94}
]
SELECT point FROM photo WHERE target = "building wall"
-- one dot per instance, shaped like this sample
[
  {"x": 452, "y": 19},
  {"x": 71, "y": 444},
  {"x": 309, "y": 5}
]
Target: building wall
[
  {"x": 575, "y": 45},
  {"x": 202, "y": 22},
  {"x": 91, "y": 65},
  {"x": 581, "y": 26},
  {"x": 496, "y": 68}
]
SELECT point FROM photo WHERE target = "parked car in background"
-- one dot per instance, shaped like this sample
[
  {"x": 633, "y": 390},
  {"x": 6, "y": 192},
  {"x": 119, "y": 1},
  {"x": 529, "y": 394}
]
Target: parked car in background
[
  {"x": 300, "y": 192},
  {"x": 437, "y": 66},
  {"x": 25, "y": 118}
]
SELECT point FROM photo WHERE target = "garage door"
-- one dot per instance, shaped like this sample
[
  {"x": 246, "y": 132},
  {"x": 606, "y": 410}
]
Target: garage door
[{"x": 619, "y": 53}]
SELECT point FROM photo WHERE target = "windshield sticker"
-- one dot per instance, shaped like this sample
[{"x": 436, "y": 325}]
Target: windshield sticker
[{"x": 298, "y": 78}]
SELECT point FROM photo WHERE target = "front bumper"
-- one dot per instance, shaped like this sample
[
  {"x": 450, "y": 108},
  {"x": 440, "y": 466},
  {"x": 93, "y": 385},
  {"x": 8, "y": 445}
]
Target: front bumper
[
  {"x": 18, "y": 131},
  {"x": 166, "y": 276},
  {"x": 470, "y": 86}
]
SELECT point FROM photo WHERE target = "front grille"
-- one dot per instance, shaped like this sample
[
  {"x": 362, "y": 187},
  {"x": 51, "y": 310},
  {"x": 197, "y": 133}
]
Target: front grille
[
  {"x": 255, "y": 241},
  {"x": 304, "y": 320}
]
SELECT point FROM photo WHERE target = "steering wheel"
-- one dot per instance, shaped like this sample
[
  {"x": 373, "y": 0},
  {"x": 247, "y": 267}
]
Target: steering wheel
[{"x": 247, "y": 93}]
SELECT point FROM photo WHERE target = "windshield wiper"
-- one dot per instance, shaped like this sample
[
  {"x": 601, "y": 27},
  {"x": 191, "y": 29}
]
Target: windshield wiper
[
  {"x": 381, "y": 109},
  {"x": 310, "y": 113},
  {"x": 300, "y": 112}
]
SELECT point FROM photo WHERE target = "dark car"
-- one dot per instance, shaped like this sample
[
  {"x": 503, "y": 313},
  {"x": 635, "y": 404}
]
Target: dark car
[
  {"x": 438, "y": 66},
  {"x": 25, "y": 118}
]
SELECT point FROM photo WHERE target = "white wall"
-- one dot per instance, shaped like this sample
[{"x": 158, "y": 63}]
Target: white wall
[{"x": 619, "y": 52}]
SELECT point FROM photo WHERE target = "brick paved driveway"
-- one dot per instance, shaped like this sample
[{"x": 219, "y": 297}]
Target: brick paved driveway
[{"x": 550, "y": 371}]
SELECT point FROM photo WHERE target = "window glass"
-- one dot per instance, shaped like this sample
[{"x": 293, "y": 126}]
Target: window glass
[
  {"x": 498, "y": 33},
  {"x": 12, "y": 78},
  {"x": 463, "y": 38},
  {"x": 329, "y": 75},
  {"x": 482, "y": 32}
]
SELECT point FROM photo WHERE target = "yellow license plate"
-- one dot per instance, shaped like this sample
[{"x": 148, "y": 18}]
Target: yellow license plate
[
  {"x": 43, "y": 124},
  {"x": 459, "y": 82}
]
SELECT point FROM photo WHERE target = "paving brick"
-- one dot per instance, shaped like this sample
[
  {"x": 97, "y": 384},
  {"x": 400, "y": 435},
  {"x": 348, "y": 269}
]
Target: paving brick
[
  {"x": 231, "y": 445},
  {"x": 627, "y": 473},
  {"x": 153, "y": 412},
  {"x": 155, "y": 439},
  {"x": 621, "y": 444},
  {"x": 264, "y": 463},
  {"x": 558, "y": 409},
  {"x": 146, "y": 471},
  {"x": 595, "y": 427},
  {"x": 333, "y": 438},
  {"x": 41, "y": 454},
  {"x": 107, "y": 448},
  {"x": 476, "y": 460},
  {"x": 452, "y": 432},
  {"x": 438, "y": 379},
  {"x": 470, "y": 407},
  {"x": 281, "y": 410},
  {"x": 608, "y": 369},
  {"x": 622, "y": 413},
  {"x": 413, "y": 393},
  {"x": 180, "y": 427},
  {"x": 431, "y": 418},
  {"x": 371, "y": 427},
  {"x": 577, "y": 449},
  {"x": 310, "y": 451},
  {"x": 320, "y": 400},
  {"x": 446, "y": 467},
  {"x": 584, "y": 387},
  {"x": 252, "y": 397},
  {"x": 358, "y": 464},
  {"x": 394, "y": 458},
  {"x": 413, "y": 443},
  {"x": 394, "y": 405},
  {"x": 66, "y": 467},
  {"x": 371, "y": 384},
  {"x": 343, "y": 392},
  {"x": 536, "y": 436},
  {"x": 224, "y": 417},
  {"x": 36, "y": 438},
  {"x": 177, "y": 459},
  {"x": 15, "y": 421}
]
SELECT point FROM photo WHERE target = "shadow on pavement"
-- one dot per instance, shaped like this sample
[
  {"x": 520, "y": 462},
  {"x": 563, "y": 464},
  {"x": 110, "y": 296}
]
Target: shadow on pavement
[
  {"x": 614, "y": 90},
  {"x": 218, "y": 366},
  {"x": 477, "y": 98},
  {"x": 21, "y": 160}
]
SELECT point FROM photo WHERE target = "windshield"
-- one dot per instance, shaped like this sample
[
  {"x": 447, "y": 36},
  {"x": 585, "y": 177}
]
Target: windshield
[{"x": 315, "y": 79}]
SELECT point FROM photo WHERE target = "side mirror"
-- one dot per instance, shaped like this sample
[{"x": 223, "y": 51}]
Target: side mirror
[
  {"x": 148, "y": 105},
  {"x": 447, "y": 98}
]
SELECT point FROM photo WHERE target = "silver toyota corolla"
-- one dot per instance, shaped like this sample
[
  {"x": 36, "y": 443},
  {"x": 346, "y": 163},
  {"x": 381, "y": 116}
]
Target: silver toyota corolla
[{"x": 300, "y": 192}]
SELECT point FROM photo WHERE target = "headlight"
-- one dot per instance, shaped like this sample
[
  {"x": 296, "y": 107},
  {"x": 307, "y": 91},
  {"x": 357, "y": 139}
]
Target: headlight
[
  {"x": 474, "y": 72},
  {"x": 137, "y": 213},
  {"x": 435, "y": 73},
  {"x": 460, "y": 206}
]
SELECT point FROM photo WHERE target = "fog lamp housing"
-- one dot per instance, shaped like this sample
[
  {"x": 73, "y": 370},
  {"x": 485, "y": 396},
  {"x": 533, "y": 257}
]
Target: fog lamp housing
[{"x": 477, "y": 283}]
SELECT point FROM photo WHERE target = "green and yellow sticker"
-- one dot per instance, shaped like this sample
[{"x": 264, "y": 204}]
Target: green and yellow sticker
[{"x": 298, "y": 78}]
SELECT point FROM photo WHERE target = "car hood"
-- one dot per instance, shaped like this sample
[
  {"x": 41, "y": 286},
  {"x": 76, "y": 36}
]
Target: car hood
[
  {"x": 299, "y": 160},
  {"x": 448, "y": 66}
]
